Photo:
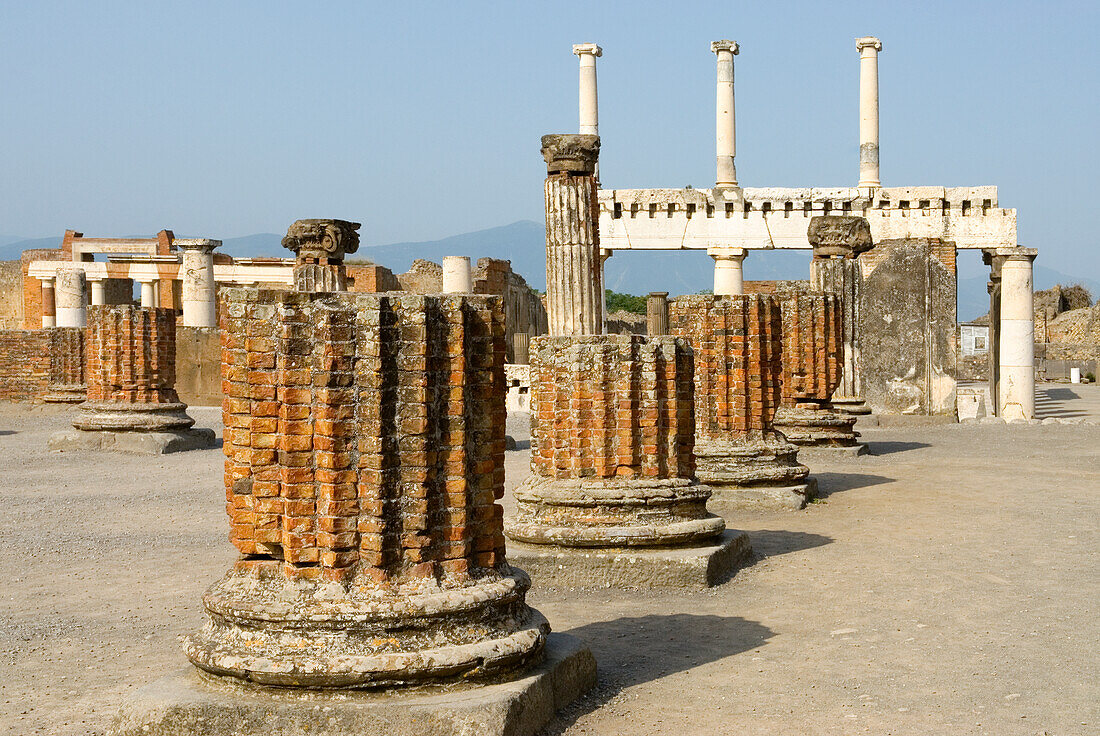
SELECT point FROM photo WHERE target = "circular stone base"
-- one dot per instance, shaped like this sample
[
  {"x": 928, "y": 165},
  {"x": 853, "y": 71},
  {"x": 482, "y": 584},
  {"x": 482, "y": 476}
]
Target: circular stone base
[
  {"x": 66, "y": 394},
  {"x": 612, "y": 512},
  {"x": 121, "y": 416},
  {"x": 816, "y": 426},
  {"x": 752, "y": 461},
  {"x": 858, "y": 407},
  {"x": 295, "y": 633}
]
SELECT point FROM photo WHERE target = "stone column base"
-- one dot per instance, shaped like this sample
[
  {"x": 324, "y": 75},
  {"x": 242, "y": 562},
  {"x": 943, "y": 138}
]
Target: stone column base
[
  {"x": 129, "y": 417},
  {"x": 141, "y": 443},
  {"x": 65, "y": 393},
  {"x": 701, "y": 566},
  {"x": 612, "y": 512},
  {"x": 760, "y": 471},
  {"x": 190, "y": 701},
  {"x": 816, "y": 425},
  {"x": 850, "y": 405}
]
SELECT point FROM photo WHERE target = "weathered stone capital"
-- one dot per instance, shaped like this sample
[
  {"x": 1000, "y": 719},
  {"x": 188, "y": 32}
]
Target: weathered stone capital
[
  {"x": 587, "y": 48},
  {"x": 1016, "y": 254},
  {"x": 330, "y": 239},
  {"x": 725, "y": 45},
  {"x": 659, "y": 294},
  {"x": 570, "y": 153},
  {"x": 868, "y": 42},
  {"x": 202, "y": 245},
  {"x": 839, "y": 235},
  {"x": 723, "y": 253}
]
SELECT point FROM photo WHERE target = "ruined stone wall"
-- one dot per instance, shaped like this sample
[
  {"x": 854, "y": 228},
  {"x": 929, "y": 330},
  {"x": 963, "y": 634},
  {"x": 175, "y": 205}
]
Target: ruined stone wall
[
  {"x": 523, "y": 308},
  {"x": 32, "y": 287},
  {"x": 812, "y": 346},
  {"x": 610, "y": 406},
  {"x": 738, "y": 371},
  {"x": 130, "y": 354},
  {"x": 423, "y": 277},
  {"x": 371, "y": 278},
  {"x": 364, "y": 433},
  {"x": 11, "y": 295},
  {"x": 24, "y": 364},
  {"x": 776, "y": 288}
]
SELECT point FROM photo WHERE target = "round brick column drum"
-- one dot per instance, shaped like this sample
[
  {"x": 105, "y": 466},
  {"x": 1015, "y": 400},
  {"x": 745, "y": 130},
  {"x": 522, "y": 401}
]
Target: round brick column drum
[
  {"x": 66, "y": 367},
  {"x": 130, "y": 371},
  {"x": 612, "y": 446},
  {"x": 738, "y": 342},
  {"x": 813, "y": 348},
  {"x": 364, "y": 443}
]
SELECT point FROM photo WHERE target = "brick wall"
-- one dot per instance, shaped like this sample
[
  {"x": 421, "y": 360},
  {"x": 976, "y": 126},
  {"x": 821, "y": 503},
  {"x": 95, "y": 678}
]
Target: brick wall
[
  {"x": 776, "y": 288},
  {"x": 66, "y": 356},
  {"x": 371, "y": 279},
  {"x": 24, "y": 364},
  {"x": 738, "y": 372},
  {"x": 612, "y": 406},
  {"x": 131, "y": 354},
  {"x": 364, "y": 433},
  {"x": 32, "y": 287},
  {"x": 812, "y": 346}
]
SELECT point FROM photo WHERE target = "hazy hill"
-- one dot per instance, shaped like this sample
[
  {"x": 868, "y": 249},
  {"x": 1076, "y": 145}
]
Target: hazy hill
[{"x": 523, "y": 243}]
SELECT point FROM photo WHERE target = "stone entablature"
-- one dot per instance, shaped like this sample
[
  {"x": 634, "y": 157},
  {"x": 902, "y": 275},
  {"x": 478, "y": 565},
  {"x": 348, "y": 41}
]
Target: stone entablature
[{"x": 775, "y": 217}]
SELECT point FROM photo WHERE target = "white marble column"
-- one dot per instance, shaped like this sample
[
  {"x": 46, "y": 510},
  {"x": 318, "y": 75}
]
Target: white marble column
[
  {"x": 198, "y": 292},
  {"x": 456, "y": 275},
  {"x": 589, "y": 101},
  {"x": 868, "y": 47},
  {"x": 49, "y": 318},
  {"x": 69, "y": 298},
  {"x": 725, "y": 130},
  {"x": 574, "y": 262},
  {"x": 1016, "y": 389},
  {"x": 728, "y": 277},
  {"x": 99, "y": 291},
  {"x": 148, "y": 293}
]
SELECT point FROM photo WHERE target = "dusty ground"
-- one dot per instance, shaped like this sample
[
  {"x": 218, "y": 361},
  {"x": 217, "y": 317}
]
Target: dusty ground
[{"x": 946, "y": 585}]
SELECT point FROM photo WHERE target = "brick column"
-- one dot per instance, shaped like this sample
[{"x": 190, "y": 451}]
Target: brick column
[
  {"x": 611, "y": 446},
  {"x": 738, "y": 343},
  {"x": 574, "y": 264},
  {"x": 813, "y": 352},
  {"x": 49, "y": 310},
  {"x": 364, "y": 449},
  {"x": 66, "y": 367},
  {"x": 837, "y": 241}
]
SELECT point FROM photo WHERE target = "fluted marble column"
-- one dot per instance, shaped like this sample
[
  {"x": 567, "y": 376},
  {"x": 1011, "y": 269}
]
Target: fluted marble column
[
  {"x": 70, "y": 299},
  {"x": 725, "y": 129},
  {"x": 574, "y": 266},
  {"x": 1016, "y": 394},
  {"x": 868, "y": 47},
  {"x": 199, "y": 308}
]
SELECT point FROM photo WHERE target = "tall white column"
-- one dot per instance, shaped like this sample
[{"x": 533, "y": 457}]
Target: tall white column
[
  {"x": 589, "y": 101},
  {"x": 69, "y": 298},
  {"x": 148, "y": 295},
  {"x": 1016, "y": 389},
  {"x": 868, "y": 47},
  {"x": 728, "y": 277},
  {"x": 49, "y": 318},
  {"x": 725, "y": 131},
  {"x": 198, "y": 292},
  {"x": 456, "y": 275},
  {"x": 99, "y": 291}
]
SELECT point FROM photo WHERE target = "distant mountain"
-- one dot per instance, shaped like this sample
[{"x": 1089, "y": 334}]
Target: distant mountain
[{"x": 631, "y": 272}]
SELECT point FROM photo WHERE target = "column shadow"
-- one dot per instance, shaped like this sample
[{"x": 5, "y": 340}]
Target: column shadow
[
  {"x": 889, "y": 448},
  {"x": 1051, "y": 402},
  {"x": 633, "y": 650},
  {"x": 830, "y": 483},
  {"x": 772, "y": 542}
]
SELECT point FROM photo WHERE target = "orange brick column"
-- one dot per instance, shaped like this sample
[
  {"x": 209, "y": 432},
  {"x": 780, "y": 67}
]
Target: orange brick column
[
  {"x": 813, "y": 354},
  {"x": 738, "y": 345},
  {"x": 364, "y": 449},
  {"x": 612, "y": 445},
  {"x": 130, "y": 370},
  {"x": 66, "y": 366}
]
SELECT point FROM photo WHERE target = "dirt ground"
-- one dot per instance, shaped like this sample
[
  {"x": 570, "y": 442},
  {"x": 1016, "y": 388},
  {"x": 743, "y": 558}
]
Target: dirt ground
[{"x": 947, "y": 584}]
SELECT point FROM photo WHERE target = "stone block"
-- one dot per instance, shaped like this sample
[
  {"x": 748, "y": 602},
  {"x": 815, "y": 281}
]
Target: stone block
[{"x": 139, "y": 443}]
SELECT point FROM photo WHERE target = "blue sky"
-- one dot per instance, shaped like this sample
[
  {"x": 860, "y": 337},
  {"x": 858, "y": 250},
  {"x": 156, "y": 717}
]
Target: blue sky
[{"x": 423, "y": 120}]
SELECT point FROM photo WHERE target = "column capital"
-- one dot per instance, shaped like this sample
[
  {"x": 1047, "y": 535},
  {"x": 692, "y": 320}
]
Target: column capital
[
  {"x": 311, "y": 240},
  {"x": 573, "y": 153},
  {"x": 659, "y": 294},
  {"x": 587, "y": 48},
  {"x": 726, "y": 253},
  {"x": 202, "y": 245},
  {"x": 725, "y": 45},
  {"x": 1015, "y": 254},
  {"x": 45, "y": 279},
  {"x": 868, "y": 42},
  {"x": 845, "y": 236}
]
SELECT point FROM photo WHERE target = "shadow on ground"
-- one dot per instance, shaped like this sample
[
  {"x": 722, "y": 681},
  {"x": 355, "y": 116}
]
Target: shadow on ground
[
  {"x": 634, "y": 650},
  {"x": 6, "y": 432},
  {"x": 1050, "y": 402},
  {"x": 830, "y": 483},
  {"x": 889, "y": 448},
  {"x": 522, "y": 445},
  {"x": 772, "y": 542}
]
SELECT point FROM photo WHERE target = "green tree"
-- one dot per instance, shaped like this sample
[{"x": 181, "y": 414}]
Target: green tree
[{"x": 624, "y": 302}]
